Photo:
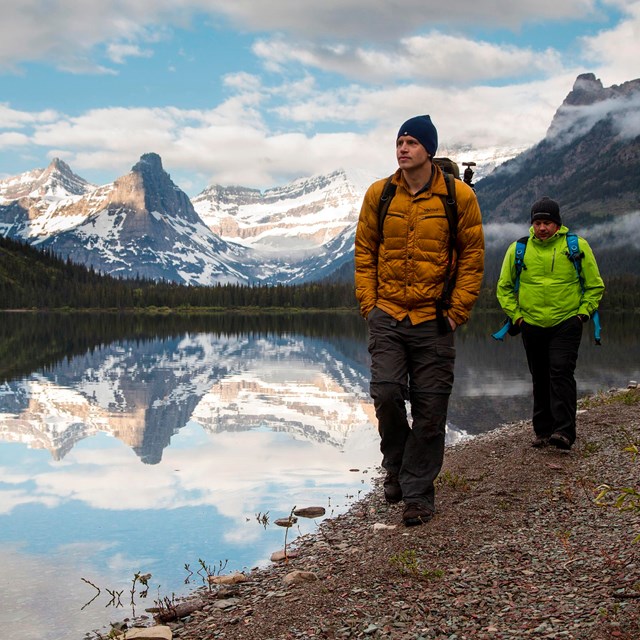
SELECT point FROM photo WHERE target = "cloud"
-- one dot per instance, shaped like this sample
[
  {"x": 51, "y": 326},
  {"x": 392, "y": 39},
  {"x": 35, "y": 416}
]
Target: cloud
[
  {"x": 118, "y": 52},
  {"x": 281, "y": 466},
  {"x": 65, "y": 33},
  {"x": 435, "y": 57},
  {"x": 623, "y": 232},
  {"x": 13, "y": 139},
  {"x": 362, "y": 19},
  {"x": 573, "y": 121},
  {"x": 498, "y": 236},
  {"x": 233, "y": 144},
  {"x": 68, "y": 33},
  {"x": 620, "y": 233},
  {"x": 611, "y": 49},
  {"x": 294, "y": 122},
  {"x": 14, "y": 119}
]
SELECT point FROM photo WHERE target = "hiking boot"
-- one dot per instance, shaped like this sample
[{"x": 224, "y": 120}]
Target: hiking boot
[
  {"x": 415, "y": 514},
  {"x": 539, "y": 442},
  {"x": 392, "y": 489},
  {"x": 560, "y": 441}
]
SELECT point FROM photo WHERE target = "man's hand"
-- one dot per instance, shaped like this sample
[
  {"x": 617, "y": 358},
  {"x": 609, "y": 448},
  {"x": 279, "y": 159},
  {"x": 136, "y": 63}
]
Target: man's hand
[{"x": 452, "y": 324}]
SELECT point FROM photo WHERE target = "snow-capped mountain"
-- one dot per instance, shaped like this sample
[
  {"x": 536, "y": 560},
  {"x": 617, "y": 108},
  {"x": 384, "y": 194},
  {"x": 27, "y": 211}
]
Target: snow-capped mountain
[
  {"x": 55, "y": 182},
  {"x": 40, "y": 203},
  {"x": 296, "y": 218},
  {"x": 144, "y": 225}
]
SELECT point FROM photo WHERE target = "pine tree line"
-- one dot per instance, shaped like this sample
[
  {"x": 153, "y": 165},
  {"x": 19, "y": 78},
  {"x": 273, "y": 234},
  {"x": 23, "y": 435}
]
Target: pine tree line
[
  {"x": 31, "y": 278},
  {"x": 37, "y": 279}
]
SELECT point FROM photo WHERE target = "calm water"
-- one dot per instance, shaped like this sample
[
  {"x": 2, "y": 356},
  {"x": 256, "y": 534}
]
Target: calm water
[{"x": 143, "y": 445}]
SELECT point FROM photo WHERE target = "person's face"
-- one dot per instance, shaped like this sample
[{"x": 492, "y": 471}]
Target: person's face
[
  {"x": 410, "y": 153},
  {"x": 544, "y": 229}
]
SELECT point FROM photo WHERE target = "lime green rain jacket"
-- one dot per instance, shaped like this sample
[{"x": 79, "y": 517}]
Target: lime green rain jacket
[{"x": 549, "y": 291}]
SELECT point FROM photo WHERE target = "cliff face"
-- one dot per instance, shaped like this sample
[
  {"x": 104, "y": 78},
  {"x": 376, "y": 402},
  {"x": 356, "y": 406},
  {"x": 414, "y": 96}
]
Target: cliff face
[{"x": 589, "y": 160}]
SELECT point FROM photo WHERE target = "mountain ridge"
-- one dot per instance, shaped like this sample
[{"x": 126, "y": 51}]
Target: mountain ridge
[
  {"x": 589, "y": 160},
  {"x": 144, "y": 225}
]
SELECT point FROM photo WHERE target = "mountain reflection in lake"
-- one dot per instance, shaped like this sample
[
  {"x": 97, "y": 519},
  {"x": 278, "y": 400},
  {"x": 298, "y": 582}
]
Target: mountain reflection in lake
[{"x": 137, "y": 444}]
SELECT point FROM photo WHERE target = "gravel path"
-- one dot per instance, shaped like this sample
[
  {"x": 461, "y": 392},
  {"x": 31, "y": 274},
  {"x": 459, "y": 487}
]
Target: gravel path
[{"x": 518, "y": 549}]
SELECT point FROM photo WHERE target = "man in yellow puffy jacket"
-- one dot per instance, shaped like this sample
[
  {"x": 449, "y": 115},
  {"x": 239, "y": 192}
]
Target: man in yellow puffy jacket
[
  {"x": 401, "y": 274},
  {"x": 550, "y": 307}
]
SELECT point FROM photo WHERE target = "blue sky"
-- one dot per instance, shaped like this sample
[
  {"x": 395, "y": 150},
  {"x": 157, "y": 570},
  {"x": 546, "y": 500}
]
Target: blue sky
[{"x": 257, "y": 94}]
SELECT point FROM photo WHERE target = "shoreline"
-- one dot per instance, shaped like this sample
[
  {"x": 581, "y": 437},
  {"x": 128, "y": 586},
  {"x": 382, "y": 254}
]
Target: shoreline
[{"x": 518, "y": 548}]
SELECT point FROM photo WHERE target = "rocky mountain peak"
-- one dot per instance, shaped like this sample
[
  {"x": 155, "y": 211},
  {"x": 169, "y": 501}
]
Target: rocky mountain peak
[
  {"x": 148, "y": 188},
  {"x": 149, "y": 163},
  {"x": 587, "y": 89},
  {"x": 589, "y": 103}
]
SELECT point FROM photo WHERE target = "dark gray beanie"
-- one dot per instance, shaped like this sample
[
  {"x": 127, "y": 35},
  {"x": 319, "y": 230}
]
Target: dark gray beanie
[
  {"x": 546, "y": 209},
  {"x": 422, "y": 129}
]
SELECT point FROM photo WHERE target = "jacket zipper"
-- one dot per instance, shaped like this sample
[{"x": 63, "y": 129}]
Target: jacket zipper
[{"x": 553, "y": 259}]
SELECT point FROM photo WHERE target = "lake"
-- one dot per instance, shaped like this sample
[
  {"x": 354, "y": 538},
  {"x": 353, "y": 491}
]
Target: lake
[{"x": 169, "y": 446}]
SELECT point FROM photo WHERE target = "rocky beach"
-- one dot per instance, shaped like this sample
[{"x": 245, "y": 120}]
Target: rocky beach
[{"x": 525, "y": 543}]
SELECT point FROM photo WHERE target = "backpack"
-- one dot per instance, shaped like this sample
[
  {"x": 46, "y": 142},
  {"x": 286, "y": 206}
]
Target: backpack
[
  {"x": 450, "y": 171},
  {"x": 575, "y": 256}
]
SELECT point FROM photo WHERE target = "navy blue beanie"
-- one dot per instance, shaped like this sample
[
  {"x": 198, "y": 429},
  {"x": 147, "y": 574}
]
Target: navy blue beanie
[{"x": 422, "y": 129}]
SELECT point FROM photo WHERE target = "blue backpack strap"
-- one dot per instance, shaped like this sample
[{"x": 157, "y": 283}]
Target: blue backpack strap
[
  {"x": 596, "y": 327},
  {"x": 521, "y": 247},
  {"x": 502, "y": 332},
  {"x": 575, "y": 255}
]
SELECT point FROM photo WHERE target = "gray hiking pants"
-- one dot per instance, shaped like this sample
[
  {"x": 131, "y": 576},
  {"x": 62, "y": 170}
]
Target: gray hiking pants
[{"x": 415, "y": 363}]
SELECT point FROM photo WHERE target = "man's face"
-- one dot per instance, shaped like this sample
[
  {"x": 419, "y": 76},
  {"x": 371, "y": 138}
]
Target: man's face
[
  {"x": 544, "y": 229},
  {"x": 410, "y": 153}
]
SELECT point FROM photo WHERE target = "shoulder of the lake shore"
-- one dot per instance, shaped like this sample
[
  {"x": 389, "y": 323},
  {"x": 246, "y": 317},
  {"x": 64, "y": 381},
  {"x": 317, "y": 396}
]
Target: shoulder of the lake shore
[{"x": 524, "y": 541}]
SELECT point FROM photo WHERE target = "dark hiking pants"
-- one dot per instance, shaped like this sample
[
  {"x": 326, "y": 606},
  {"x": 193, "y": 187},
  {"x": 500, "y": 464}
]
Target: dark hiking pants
[
  {"x": 415, "y": 363},
  {"x": 552, "y": 354}
]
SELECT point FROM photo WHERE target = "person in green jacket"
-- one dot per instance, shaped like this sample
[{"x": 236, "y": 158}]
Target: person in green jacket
[{"x": 550, "y": 308}]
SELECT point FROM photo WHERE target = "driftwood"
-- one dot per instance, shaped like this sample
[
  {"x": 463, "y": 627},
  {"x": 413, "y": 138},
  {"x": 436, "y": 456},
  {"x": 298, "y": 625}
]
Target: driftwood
[{"x": 177, "y": 611}]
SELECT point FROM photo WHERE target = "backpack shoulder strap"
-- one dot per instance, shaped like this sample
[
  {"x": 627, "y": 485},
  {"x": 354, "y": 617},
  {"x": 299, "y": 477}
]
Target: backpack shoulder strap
[
  {"x": 508, "y": 326},
  {"x": 451, "y": 207},
  {"x": 574, "y": 248},
  {"x": 388, "y": 191},
  {"x": 521, "y": 247},
  {"x": 575, "y": 255},
  {"x": 451, "y": 211}
]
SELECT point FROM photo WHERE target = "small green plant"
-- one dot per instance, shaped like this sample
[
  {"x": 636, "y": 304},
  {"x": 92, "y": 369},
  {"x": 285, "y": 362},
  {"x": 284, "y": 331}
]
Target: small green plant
[
  {"x": 633, "y": 450},
  {"x": 408, "y": 563},
  {"x": 590, "y": 448},
  {"x": 622, "y": 498},
  {"x": 630, "y": 397},
  {"x": 453, "y": 480}
]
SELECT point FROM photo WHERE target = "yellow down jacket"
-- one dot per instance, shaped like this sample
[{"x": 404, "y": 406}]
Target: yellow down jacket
[{"x": 404, "y": 274}]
